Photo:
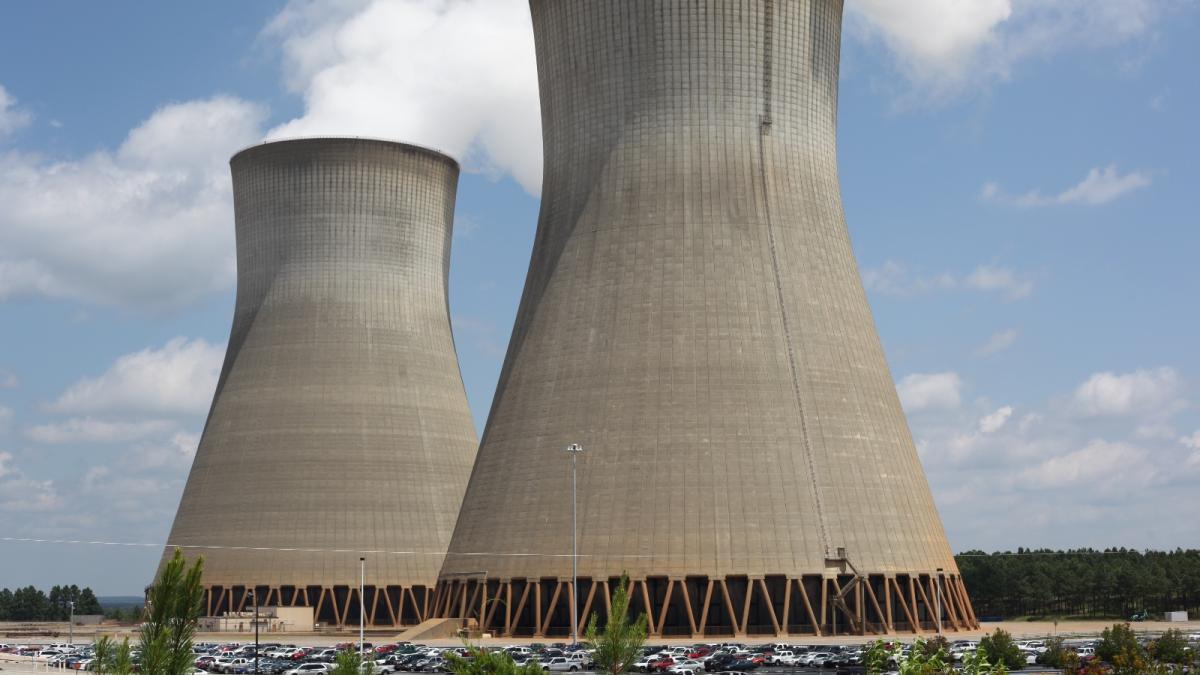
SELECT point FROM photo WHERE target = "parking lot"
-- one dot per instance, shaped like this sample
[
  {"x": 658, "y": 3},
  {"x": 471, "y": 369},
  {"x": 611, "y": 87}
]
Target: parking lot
[
  {"x": 311, "y": 654},
  {"x": 274, "y": 658}
]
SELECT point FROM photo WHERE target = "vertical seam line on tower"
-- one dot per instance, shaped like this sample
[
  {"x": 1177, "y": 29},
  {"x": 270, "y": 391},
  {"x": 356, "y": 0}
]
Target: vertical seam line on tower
[{"x": 764, "y": 131}]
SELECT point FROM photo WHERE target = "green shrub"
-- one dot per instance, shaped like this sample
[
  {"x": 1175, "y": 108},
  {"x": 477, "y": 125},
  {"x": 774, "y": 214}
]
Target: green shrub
[
  {"x": 1000, "y": 648},
  {"x": 1119, "y": 641},
  {"x": 1172, "y": 647}
]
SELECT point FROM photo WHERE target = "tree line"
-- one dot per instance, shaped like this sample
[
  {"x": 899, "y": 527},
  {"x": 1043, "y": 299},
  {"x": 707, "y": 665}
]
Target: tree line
[
  {"x": 1110, "y": 583},
  {"x": 32, "y": 604}
]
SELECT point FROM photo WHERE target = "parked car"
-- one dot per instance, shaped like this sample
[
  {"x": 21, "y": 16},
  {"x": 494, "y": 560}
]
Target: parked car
[
  {"x": 782, "y": 657},
  {"x": 313, "y": 668},
  {"x": 562, "y": 664},
  {"x": 686, "y": 667},
  {"x": 643, "y": 665},
  {"x": 240, "y": 664},
  {"x": 816, "y": 659}
]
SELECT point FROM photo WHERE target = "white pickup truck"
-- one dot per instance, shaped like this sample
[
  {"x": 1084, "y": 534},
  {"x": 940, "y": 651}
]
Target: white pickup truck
[
  {"x": 783, "y": 658},
  {"x": 563, "y": 664}
]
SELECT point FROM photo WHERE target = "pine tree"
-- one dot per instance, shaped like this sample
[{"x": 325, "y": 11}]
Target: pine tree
[
  {"x": 619, "y": 646},
  {"x": 6, "y": 605},
  {"x": 173, "y": 613},
  {"x": 88, "y": 603},
  {"x": 480, "y": 661}
]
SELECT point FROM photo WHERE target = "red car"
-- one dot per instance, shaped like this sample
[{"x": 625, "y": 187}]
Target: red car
[{"x": 662, "y": 664}]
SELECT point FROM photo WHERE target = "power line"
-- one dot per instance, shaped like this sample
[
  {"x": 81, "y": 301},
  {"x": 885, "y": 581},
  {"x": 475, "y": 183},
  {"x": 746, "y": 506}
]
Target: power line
[{"x": 218, "y": 547}]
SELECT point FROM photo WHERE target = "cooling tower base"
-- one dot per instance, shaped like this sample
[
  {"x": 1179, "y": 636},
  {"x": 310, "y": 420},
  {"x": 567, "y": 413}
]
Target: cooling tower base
[
  {"x": 335, "y": 606},
  {"x": 732, "y": 606}
]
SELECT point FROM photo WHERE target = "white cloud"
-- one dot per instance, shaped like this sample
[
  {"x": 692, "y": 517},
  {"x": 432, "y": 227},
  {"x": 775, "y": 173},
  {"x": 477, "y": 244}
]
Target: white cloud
[
  {"x": 457, "y": 76},
  {"x": 89, "y": 430},
  {"x": 173, "y": 453},
  {"x": 997, "y": 343},
  {"x": 999, "y": 279},
  {"x": 1100, "y": 461},
  {"x": 8, "y": 380},
  {"x": 930, "y": 391},
  {"x": 896, "y": 280},
  {"x": 178, "y": 379},
  {"x": 134, "y": 498},
  {"x": 993, "y": 422},
  {"x": 143, "y": 486},
  {"x": 893, "y": 278},
  {"x": 11, "y": 117},
  {"x": 946, "y": 47},
  {"x": 6, "y": 415},
  {"x": 1100, "y": 186},
  {"x": 148, "y": 225},
  {"x": 934, "y": 36},
  {"x": 19, "y": 493},
  {"x": 1153, "y": 392},
  {"x": 1069, "y": 480},
  {"x": 1192, "y": 441}
]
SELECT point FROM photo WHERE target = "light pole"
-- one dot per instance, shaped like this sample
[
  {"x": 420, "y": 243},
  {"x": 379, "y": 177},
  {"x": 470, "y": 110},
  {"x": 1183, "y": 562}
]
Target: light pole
[
  {"x": 255, "y": 630},
  {"x": 71, "y": 627},
  {"x": 362, "y": 606},
  {"x": 574, "y": 449},
  {"x": 939, "y": 600}
]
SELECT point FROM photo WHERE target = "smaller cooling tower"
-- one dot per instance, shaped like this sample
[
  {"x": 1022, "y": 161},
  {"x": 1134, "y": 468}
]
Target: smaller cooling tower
[{"x": 339, "y": 428}]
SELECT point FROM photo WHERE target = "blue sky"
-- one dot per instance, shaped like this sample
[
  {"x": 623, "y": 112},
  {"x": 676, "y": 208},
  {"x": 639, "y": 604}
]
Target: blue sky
[{"x": 1019, "y": 180}]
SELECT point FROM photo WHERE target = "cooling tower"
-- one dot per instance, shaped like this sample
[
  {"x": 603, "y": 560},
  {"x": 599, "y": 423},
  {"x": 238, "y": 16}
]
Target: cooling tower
[
  {"x": 693, "y": 317},
  {"x": 339, "y": 428}
]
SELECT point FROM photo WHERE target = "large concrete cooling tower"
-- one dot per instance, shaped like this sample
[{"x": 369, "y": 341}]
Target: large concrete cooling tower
[
  {"x": 340, "y": 427},
  {"x": 694, "y": 318}
]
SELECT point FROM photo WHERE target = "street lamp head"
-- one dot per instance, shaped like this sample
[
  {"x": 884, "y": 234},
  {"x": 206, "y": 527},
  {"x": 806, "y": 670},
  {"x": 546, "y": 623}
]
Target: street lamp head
[{"x": 574, "y": 447}]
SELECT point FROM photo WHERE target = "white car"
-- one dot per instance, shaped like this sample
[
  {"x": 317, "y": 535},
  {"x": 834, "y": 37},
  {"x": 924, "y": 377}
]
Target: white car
[
  {"x": 310, "y": 669},
  {"x": 686, "y": 667},
  {"x": 643, "y": 665},
  {"x": 817, "y": 658},
  {"x": 238, "y": 662},
  {"x": 1036, "y": 646},
  {"x": 783, "y": 658},
  {"x": 562, "y": 664}
]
